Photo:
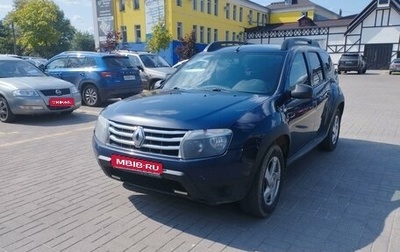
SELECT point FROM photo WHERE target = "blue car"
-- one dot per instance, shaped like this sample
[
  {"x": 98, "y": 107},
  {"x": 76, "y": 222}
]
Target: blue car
[
  {"x": 226, "y": 125},
  {"x": 98, "y": 76}
]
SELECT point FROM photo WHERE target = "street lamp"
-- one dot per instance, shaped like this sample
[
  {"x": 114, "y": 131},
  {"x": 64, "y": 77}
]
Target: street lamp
[{"x": 14, "y": 39}]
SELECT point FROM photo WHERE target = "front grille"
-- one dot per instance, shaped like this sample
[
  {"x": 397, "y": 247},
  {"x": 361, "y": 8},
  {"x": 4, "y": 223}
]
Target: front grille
[
  {"x": 52, "y": 92},
  {"x": 157, "y": 140}
]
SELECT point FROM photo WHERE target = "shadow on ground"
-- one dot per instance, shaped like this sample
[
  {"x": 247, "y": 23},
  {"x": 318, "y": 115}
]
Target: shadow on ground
[{"x": 336, "y": 201}]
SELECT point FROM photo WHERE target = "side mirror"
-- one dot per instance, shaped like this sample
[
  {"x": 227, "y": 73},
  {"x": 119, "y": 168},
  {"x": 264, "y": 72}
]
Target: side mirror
[
  {"x": 159, "y": 84},
  {"x": 140, "y": 68},
  {"x": 302, "y": 91}
]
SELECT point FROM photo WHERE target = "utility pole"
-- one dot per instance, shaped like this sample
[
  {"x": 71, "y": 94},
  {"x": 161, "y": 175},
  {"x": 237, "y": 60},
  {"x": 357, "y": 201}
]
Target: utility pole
[{"x": 15, "y": 41}]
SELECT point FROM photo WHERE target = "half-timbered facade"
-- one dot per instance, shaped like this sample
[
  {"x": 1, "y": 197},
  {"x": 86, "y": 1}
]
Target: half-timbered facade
[{"x": 375, "y": 32}]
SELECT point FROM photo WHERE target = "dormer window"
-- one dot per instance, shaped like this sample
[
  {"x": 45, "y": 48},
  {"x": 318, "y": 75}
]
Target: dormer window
[{"x": 383, "y": 3}]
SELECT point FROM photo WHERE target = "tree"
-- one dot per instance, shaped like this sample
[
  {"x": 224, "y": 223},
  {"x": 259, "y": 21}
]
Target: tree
[
  {"x": 160, "y": 38},
  {"x": 43, "y": 29},
  {"x": 6, "y": 39},
  {"x": 187, "y": 48},
  {"x": 83, "y": 41},
  {"x": 111, "y": 42}
]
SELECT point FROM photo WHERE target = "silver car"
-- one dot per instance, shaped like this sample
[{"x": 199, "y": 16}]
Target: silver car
[{"x": 26, "y": 90}]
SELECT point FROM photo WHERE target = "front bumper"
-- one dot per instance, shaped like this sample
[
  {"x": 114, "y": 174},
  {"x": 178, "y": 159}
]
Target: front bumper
[
  {"x": 213, "y": 181},
  {"x": 40, "y": 105}
]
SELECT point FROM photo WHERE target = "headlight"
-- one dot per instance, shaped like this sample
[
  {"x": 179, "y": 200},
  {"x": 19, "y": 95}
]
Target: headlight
[
  {"x": 74, "y": 90},
  {"x": 25, "y": 93},
  {"x": 101, "y": 129},
  {"x": 205, "y": 143}
]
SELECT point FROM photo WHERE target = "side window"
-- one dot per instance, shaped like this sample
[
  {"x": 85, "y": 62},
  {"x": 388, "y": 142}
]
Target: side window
[
  {"x": 89, "y": 62},
  {"x": 135, "y": 61},
  {"x": 75, "y": 62},
  {"x": 298, "y": 72},
  {"x": 327, "y": 63},
  {"x": 317, "y": 74},
  {"x": 57, "y": 64}
]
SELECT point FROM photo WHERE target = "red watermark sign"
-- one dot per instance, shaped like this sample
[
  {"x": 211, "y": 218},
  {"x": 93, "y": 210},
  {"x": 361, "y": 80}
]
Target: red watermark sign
[
  {"x": 61, "y": 102},
  {"x": 134, "y": 164}
]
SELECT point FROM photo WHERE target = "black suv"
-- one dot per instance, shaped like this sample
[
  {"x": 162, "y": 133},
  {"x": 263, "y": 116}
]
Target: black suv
[
  {"x": 98, "y": 76},
  {"x": 352, "y": 62},
  {"x": 225, "y": 126}
]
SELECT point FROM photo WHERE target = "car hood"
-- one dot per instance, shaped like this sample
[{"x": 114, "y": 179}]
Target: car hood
[
  {"x": 163, "y": 71},
  {"x": 40, "y": 82},
  {"x": 185, "y": 109}
]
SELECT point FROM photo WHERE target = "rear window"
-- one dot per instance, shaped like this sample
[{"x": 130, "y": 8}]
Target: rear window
[
  {"x": 349, "y": 56},
  {"x": 117, "y": 61}
]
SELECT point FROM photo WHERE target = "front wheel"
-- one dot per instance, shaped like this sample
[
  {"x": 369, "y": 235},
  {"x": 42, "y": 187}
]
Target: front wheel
[
  {"x": 331, "y": 140},
  {"x": 90, "y": 96},
  {"x": 6, "y": 115},
  {"x": 263, "y": 195}
]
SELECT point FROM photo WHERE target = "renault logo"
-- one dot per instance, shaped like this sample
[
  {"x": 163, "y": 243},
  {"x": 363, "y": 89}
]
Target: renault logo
[
  {"x": 58, "y": 92},
  {"x": 138, "y": 137}
]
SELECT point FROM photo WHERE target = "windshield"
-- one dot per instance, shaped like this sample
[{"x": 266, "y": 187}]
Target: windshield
[
  {"x": 18, "y": 68},
  {"x": 153, "y": 61},
  {"x": 250, "y": 72}
]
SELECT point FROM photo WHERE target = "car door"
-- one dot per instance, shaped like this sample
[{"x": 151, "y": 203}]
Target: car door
[
  {"x": 321, "y": 89},
  {"x": 75, "y": 70},
  {"x": 56, "y": 67},
  {"x": 300, "y": 113}
]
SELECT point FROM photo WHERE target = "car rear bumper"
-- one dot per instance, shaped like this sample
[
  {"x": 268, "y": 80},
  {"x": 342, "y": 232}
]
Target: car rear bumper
[
  {"x": 120, "y": 92},
  {"x": 213, "y": 181},
  {"x": 40, "y": 105}
]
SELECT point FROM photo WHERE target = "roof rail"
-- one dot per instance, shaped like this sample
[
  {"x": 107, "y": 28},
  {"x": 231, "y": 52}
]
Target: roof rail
[
  {"x": 220, "y": 44},
  {"x": 288, "y": 43}
]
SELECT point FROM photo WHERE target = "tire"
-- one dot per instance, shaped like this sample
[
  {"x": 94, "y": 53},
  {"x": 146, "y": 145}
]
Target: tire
[
  {"x": 360, "y": 71},
  {"x": 90, "y": 96},
  {"x": 264, "y": 193},
  {"x": 331, "y": 140},
  {"x": 6, "y": 115},
  {"x": 390, "y": 73}
]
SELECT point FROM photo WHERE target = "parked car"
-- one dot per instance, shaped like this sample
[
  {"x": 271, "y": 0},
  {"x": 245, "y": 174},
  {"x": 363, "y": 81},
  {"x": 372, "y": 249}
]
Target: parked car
[
  {"x": 98, "y": 76},
  {"x": 226, "y": 125},
  {"x": 152, "y": 67},
  {"x": 37, "y": 61},
  {"x": 352, "y": 62},
  {"x": 26, "y": 90},
  {"x": 394, "y": 66}
]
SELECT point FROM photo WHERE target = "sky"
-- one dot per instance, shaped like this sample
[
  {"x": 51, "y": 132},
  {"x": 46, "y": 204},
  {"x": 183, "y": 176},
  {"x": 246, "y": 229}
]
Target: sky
[{"x": 80, "y": 13}]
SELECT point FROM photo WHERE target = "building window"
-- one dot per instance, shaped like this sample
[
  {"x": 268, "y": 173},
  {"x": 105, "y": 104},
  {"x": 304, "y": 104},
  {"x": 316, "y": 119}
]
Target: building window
[
  {"x": 258, "y": 19},
  {"x": 215, "y": 34},
  {"x": 178, "y": 2},
  {"x": 201, "y": 34},
  {"x": 209, "y": 6},
  {"x": 121, "y": 5},
  {"x": 124, "y": 38},
  {"x": 179, "y": 30},
  {"x": 227, "y": 10},
  {"x": 195, "y": 30},
  {"x": 138, "y": 33},
  {"x": 234, "y": 12},
  {"x": 250, "y": 17},
  {"x": 208, "y": 35},
  {"x": 227, "y": 35},
  {"x": 233, "y": 36},
  {"x": 383, "y": 3},
  {"x": 194, "y": 2},
  {"x": 216, "y": 8},
  {"x": 202, "y": 5},
  {"x": 241, "y": 14},
  {"x": 135, "y": 4},
  {"x": 264, "y": 19}
]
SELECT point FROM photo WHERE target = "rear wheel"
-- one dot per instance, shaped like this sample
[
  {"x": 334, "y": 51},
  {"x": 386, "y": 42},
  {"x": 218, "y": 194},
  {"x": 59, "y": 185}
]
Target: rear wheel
[
  {"x": 6, "y": 115},
  {"x": 264, "y": 193},
  {"x": 331, "y": 140},
  {"x": 90, "y": 96}
]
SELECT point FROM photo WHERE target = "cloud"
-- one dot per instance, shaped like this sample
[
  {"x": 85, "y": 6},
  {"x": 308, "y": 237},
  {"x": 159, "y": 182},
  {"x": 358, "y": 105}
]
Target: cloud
[{"x": 4, "y": 10}]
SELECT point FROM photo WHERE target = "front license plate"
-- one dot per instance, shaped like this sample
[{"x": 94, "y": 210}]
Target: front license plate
[
  {"x": 61, "y": 102},
  {"x": 129, "y": 77},
  {"x": 134, "y": 164}
]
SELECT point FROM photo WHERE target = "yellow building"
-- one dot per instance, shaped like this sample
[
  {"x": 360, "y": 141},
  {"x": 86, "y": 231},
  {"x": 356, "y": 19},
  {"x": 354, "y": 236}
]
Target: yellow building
[{"x": 211, "y": 20}]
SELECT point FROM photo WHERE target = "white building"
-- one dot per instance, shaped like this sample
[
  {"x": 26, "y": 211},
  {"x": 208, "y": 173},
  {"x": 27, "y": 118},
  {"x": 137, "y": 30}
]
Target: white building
[{"x": 375, "y": 32}]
